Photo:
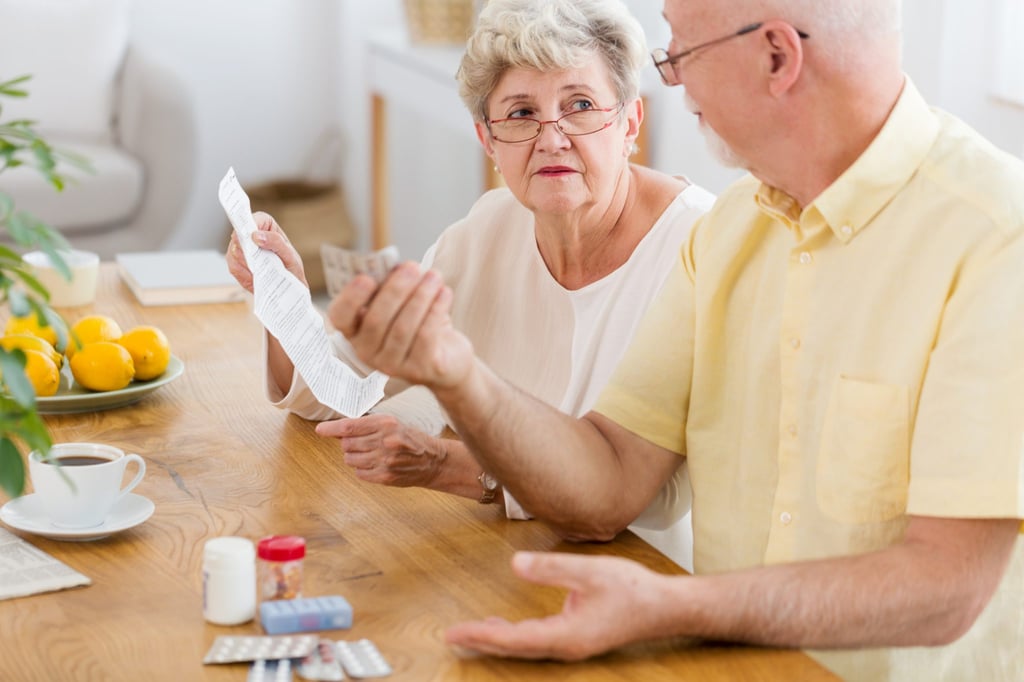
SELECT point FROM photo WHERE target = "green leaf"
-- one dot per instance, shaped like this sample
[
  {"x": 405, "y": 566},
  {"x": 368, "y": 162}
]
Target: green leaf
[
  {"x": 56, "y": 259},
  {"x": 52, "y": 319},
  {"x": 33, "y": 432},
  {"x": 19, "y": 303},
  {"x": 12, "y": 468},
  {"x": 7, "y": 86},
  {"x": 12, "y": 369},
  {"x": 6, "y": 207},
  {"x": 7, "y": 254},
  {"x": 20, "y": 227},
  {"x": 31, "y": 282}
]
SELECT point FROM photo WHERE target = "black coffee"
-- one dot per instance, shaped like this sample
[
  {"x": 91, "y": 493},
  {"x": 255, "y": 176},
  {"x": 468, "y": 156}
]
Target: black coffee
[{"x": 79, "y": 460}]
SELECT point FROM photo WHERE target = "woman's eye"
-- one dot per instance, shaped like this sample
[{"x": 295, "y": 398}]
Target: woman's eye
[
  {"x": 581, "y": 105},
  {"x": 521, "y": 113}
]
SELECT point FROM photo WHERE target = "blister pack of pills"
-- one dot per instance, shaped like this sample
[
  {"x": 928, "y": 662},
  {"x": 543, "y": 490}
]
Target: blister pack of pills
[
  {"x": 361, "y": 659},
  {"x": 321, "y": 665},
  {"x": 231, "y": 649},
  {"x": 341, "y": 265},
  {"x": 270, "y": 671}
]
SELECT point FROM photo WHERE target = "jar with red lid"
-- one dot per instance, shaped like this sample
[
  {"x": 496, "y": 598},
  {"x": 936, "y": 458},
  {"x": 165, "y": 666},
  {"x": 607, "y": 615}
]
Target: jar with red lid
[{"x": 279, "y": 566}]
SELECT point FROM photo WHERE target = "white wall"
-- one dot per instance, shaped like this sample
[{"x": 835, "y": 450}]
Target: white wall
[
  {"x": 270, "y": 78},
  {"x": 263, "y": 78}
]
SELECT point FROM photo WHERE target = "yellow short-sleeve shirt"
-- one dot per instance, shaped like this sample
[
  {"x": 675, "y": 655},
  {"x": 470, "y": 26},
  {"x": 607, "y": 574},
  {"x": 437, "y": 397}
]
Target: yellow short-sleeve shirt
[{"x": 829, "y": 370}]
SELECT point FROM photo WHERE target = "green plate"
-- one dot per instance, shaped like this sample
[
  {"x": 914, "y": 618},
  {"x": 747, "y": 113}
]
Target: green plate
[{"x": 71, "y": 397}]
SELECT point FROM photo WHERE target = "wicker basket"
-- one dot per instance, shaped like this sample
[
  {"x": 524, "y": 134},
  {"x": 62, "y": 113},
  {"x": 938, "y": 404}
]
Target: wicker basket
[{"x": 440, "y": 22}]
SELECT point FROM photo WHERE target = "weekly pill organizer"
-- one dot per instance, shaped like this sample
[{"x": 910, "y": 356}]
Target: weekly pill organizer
[{"x": 308, "y": 614}]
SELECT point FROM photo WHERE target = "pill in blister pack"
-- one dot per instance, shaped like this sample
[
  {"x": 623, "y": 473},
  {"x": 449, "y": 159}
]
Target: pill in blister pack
[
  {"x": 321, "y": 665},
  {"x": 270, "y": 671},
  {"x": 341, "y": 265},
  {"x": 228, "y": 649},
  {"x": 361, "y": 658}
]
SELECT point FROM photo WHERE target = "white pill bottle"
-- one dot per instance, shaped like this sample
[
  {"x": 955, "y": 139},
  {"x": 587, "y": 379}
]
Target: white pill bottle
[{"x": 229, "y": 580}]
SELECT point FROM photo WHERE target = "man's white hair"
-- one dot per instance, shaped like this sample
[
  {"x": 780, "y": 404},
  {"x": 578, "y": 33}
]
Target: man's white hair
[{"x": 845, "y": 30}]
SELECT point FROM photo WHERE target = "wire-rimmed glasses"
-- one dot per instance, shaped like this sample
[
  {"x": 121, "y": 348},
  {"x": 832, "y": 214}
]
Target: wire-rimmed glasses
[
  {"x": 574, "y": 124},
  {"x": 666, "y": 63}
]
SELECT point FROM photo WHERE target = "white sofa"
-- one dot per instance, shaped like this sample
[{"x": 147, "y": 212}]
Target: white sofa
[{"x": 94, "y": 94}]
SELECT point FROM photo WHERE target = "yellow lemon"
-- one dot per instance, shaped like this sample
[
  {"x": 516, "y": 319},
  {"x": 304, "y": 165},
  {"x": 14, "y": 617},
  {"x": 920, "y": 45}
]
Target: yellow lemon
[
  {"x": 102, "y": 366},
  {"x": 29, "y": 342},
  {"x": 42, "y": 372},
  {"x": 90, "y": 329},
  {"x": 29, "y": 325},
  {"x": 149, "y": 349}
]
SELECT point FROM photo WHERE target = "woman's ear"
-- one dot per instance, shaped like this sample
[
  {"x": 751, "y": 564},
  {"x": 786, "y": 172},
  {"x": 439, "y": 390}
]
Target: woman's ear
[
  {"x": 787, "y": 56},
  {"x": 484, "y": 135},
  {"x": 634, "y": 119}
]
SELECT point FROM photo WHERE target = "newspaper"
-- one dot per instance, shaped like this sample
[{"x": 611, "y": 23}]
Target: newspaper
[
  {"x": 26, "y": 569},
  {"x": 286, "y": 309}
]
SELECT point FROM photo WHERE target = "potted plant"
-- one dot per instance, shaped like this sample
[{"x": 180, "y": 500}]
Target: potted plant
[{"x": 20, "y": 423}]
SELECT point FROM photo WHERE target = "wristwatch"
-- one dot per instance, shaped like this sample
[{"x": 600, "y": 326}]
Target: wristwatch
[{"x": 489, "y": 484}]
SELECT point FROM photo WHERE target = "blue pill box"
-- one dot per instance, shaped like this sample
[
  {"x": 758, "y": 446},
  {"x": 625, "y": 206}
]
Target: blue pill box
[{"x": 282, "y": 616}]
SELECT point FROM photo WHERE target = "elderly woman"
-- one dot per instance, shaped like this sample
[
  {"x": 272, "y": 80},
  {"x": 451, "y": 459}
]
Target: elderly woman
[{"x": 551, "y": 275}]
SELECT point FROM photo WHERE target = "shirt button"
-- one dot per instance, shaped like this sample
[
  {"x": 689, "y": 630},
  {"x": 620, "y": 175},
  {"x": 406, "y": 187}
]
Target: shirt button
[
  {"x": 846, "y": 230},
  {"x": 786, "y": 518},
  {"x": 794, "y": 343},
  {"x": 792, "y": 430},
  {"x": 805, "y": 258}
]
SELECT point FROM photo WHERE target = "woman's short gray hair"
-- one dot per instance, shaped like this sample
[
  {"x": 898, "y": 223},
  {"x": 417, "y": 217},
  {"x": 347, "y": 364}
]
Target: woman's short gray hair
[{"x": 549, "y": 35}]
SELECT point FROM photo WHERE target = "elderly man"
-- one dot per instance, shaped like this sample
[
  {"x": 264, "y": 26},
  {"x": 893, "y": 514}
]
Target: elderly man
[{"x": 839, "y": 356}]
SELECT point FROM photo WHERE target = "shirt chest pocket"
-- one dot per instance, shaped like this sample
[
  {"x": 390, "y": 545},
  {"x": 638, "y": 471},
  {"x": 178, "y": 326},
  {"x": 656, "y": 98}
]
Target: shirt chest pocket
[{"x": 864, "y": 461}]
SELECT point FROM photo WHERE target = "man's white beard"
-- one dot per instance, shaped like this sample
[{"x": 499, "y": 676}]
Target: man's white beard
[{"x": 722, "y": 152}]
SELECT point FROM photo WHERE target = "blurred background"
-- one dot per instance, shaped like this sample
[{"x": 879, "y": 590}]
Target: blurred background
[{"x": 282, "y": 90}]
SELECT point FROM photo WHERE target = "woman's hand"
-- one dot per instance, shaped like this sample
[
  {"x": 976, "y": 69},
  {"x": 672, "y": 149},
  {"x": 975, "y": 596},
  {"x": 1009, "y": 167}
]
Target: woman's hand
[
  {"x": 270, "y": 236},
  {"x": 382, "y": 450}
]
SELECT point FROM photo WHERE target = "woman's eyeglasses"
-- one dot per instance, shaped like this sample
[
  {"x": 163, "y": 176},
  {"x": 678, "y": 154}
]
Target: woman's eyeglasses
[{"x": 575, "y": 123}]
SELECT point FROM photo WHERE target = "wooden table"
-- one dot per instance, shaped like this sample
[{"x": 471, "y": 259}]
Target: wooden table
[{"x": 222, "y": 461}]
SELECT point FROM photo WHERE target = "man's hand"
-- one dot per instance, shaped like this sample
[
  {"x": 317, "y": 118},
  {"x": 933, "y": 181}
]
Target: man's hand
[
  {"x": 611, "y": 602},
  {"x": 403, "y": 328},
  {"x": 382, "y": 450},
  {"x": 926, "y": 590}
]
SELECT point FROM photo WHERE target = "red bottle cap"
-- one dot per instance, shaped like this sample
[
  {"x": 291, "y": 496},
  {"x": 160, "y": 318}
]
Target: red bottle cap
[{"x": 281, "y": 548}]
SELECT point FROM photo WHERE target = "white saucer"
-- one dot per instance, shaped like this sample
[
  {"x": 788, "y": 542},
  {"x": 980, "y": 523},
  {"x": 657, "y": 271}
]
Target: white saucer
[{"x": 25, "y": 513}]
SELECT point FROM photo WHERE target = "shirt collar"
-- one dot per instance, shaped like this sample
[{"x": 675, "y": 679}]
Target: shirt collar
[{"x": 892, "y": 158}]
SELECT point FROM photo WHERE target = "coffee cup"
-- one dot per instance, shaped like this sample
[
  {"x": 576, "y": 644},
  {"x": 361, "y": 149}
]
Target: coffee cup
[
  {"x": 79, "y": 484},
  {"x": 67, "y": 293}
]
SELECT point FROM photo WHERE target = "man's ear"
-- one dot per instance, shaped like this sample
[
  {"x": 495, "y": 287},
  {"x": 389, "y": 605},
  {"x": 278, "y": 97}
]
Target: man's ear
[{"x": 787, "y": 56}]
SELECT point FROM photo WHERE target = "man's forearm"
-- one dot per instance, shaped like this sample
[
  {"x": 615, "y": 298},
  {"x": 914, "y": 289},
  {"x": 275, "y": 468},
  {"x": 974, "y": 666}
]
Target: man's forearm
[
  {"x": 927, "y": 591},
  {"x": 575, "y": 486}
]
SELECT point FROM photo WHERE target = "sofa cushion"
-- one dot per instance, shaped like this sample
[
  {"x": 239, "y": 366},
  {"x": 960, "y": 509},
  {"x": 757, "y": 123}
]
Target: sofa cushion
[
  {"x": 73, "y": 50},
  {"x": 107, "y": 197}
]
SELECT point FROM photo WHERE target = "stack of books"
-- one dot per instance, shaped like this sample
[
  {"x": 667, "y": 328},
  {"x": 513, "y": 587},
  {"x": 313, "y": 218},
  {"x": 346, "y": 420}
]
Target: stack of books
[{"x": 179, "y": 277}]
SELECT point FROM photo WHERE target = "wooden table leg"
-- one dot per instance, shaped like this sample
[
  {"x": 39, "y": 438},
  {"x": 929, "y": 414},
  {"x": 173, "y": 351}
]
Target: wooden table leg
[{"x": 380, "y": 232}]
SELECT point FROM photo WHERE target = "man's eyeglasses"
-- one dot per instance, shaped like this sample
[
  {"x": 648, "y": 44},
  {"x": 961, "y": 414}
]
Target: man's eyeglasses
[
  {"x": 666, "y": 63},
  {"x": 583, "y": 122}
]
